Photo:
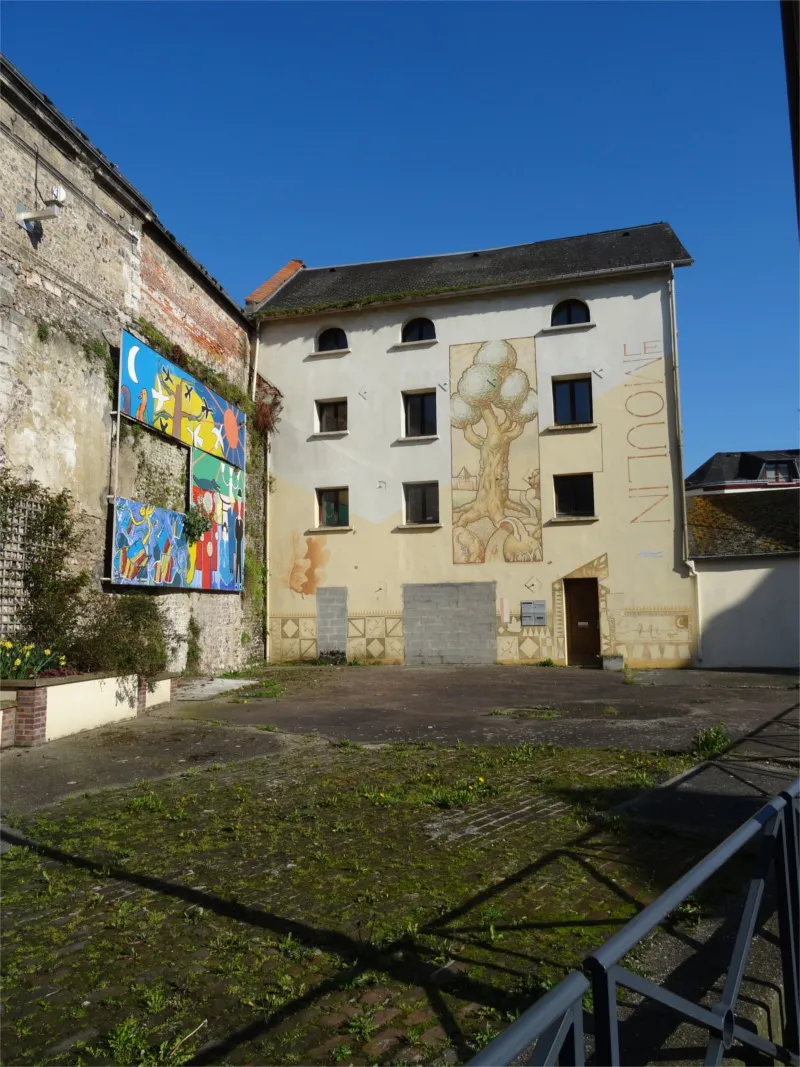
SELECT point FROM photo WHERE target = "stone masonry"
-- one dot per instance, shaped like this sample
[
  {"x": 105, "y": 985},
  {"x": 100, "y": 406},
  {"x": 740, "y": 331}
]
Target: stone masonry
[{"x": 65, "y": 295}]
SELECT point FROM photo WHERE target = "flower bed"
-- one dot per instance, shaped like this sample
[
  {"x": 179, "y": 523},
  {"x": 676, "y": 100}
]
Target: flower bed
[{"x": 50, "y": 707}]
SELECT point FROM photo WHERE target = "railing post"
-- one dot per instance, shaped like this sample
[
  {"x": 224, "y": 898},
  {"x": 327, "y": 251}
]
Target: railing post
[
  {"x": 572, "y": 1051},
  {"x": 606, "y": 1029},
  {"x": 786, "y": 892}
]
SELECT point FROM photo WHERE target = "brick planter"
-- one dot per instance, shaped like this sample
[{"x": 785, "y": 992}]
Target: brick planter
[{"x": 47, "y": 708}]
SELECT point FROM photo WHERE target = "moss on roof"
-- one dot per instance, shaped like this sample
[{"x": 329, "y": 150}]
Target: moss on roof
[{"x": 756, "y": 523}]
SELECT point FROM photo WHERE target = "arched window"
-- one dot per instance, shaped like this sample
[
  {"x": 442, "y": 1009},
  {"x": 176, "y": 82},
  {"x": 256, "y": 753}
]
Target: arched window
[
  {"x": 569, "y": 313},
  {"x": 331, "y": 340},
  {"x": 419, "y": 330}
]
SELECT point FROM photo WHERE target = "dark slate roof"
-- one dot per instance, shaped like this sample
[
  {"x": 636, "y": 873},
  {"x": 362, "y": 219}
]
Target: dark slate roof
[
  {"x": 738, "y": 466},
  {"x": 544, "y": 261},
  {"x": 744, "y": 524}
]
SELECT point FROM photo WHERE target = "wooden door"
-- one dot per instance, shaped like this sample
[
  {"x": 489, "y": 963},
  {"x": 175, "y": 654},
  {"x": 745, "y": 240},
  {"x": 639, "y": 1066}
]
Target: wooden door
[{"x": 583, "y": 622}]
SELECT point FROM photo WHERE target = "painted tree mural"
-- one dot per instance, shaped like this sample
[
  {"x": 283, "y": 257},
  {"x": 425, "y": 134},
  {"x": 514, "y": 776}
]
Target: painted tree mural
[{"x": 492, "y": 405}]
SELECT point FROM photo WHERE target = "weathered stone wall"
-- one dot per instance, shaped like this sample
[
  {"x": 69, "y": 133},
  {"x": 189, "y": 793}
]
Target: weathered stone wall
[{"x": 63, "y": 300}]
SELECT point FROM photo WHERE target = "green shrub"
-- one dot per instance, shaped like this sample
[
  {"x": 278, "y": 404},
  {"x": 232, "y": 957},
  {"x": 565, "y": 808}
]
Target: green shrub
[
  {"x": 94, "y": 631},
  {"x": 711, "y": 742},
  {"x": 195, "y": 524},
  {"x": 121, "y": 634},
  {"x": 193, "y": 650}
]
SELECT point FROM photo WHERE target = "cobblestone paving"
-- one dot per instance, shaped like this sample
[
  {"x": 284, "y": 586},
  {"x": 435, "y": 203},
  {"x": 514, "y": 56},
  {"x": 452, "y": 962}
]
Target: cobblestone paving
[{"x": 392, "y": 905}]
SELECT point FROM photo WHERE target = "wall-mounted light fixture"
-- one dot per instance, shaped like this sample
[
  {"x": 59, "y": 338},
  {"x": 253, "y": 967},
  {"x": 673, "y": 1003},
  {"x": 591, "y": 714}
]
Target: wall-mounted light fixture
[{"x": 52, "y": 209}]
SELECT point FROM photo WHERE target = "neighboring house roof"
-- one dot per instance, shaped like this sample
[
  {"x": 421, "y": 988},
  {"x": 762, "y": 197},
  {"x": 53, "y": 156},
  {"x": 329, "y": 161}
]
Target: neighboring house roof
[
  {"x": 744, "y": 524},
  {"x": 68, "y": 137},
  {"x": 726, "y": 467},
  {"x": 591, "y": 255}
]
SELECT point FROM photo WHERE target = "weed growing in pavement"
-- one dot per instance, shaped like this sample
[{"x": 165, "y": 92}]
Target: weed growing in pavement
[
  {"x": 545, "y": 663},
  {"x": 629, "y": 676},
  {"x": 711, "y": 742},
  {"x": 609, "y": 709},
  {"x": 689, "y": 912},
  {"x": 267, "y": 726}
]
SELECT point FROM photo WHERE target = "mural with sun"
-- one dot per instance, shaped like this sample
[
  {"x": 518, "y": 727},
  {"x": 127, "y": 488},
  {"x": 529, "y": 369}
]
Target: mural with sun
[
  {"x": 150, "y": 545},
  {"x": 158, "y": 393}
]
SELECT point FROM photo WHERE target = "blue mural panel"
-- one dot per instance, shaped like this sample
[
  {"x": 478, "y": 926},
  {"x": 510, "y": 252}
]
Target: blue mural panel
[
  {"x": 149, "y": 546},
  {"x": 156, "y": 392}
]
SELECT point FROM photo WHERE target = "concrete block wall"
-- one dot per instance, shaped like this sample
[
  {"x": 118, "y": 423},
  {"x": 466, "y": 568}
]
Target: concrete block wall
[
  {"x": 332, "y": 620},
  {"x": 450, "y": 622}
]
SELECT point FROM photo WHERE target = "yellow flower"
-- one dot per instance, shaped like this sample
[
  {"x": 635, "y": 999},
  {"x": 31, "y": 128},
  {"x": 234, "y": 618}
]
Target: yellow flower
[
  {"x": 47, "y": 651},
  {"x": 382, "y": 794},
  {"x": 62, "y": 661},
  {"x": 481, "y": 779},
  {"x": 17, "y": 662}
]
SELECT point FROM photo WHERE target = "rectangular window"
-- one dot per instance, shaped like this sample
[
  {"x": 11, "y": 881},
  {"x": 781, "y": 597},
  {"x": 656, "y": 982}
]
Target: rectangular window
[
  {"x": 334, "y": 507},
  {"x": 779, "y": 472},
  {"x": 332, "y": 415},
  {"x": 420, "y": 414},
  {"x": 572, "y": 401},
  {"x": 422, "y": 502},
  {"x": 574, "y": 494}
]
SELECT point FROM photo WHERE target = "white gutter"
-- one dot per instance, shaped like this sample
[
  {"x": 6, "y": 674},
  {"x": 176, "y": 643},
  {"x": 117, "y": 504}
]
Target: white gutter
[{"x": 682, "y": 491}]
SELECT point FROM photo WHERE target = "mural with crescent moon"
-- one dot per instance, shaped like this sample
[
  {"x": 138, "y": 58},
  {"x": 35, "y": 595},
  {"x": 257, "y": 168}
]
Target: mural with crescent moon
[{"x": 158, "y": 393}]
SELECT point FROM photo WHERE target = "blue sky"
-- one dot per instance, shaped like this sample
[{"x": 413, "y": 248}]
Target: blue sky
[{"x": 340, "y": 132}]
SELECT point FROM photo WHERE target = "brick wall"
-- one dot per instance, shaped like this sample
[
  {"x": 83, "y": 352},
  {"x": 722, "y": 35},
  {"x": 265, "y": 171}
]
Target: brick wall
[{"x": 186, "y": 313}]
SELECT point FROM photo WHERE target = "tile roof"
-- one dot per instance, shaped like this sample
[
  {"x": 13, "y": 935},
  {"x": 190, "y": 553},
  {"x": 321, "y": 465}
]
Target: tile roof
[
  {"x": 744, "y": 524},
  {"x": 613, "y": 251},
  {"x": 738, "y": 466}
]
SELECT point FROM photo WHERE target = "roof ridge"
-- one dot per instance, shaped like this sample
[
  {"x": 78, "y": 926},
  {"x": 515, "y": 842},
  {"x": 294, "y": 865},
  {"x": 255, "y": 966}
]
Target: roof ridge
[{"x": 497, "y": 248}]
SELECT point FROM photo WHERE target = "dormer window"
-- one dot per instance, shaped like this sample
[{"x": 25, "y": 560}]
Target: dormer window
[
  {"x": 779, "y": 472},
  {"x": 332, "y": 340},
  {"x": 570, "y": 313},
  {"x": 418, "y": 330}
]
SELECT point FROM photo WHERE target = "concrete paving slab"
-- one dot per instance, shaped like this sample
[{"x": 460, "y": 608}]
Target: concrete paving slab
[{"x": 208, "y": 688}]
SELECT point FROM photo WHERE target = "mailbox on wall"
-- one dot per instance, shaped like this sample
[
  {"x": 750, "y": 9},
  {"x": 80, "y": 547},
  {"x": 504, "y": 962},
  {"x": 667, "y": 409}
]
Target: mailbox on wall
[{"x": 533, "y": 613}]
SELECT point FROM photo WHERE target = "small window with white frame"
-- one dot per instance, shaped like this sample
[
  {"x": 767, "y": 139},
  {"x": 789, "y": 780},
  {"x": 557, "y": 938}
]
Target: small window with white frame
[
  {"x": 419, "y": 410},
  {"x": 570, "y": 312},
  {"x": 331, "y": 416},
  {"x": 334, "y": 339},
  {"x": 418, "y": 330},
  {"x": 333, "y": 507},
  {"x": 422, "y": 503}
]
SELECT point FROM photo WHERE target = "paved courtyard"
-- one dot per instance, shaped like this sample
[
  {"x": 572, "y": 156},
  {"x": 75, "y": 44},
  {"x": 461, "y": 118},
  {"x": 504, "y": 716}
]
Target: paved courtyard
[{"x": 201, "y": 887}]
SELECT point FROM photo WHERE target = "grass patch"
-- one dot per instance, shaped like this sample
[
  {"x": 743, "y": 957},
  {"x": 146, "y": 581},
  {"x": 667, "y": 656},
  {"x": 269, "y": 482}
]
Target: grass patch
[
  {"x": 711, "y": 742},
  {"x": 534, "y": 711},
  {"x": 299, "y": 886},
  {"x": 629, "y": 676},
  {"x": 265, "y": 690}
]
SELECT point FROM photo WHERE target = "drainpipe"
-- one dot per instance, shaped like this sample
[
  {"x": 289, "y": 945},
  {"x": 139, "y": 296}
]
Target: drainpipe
[
  {"x": 679, "y": 436},
  {"x": 699, "y": 643},
  {"x": 256, "y": 351}
]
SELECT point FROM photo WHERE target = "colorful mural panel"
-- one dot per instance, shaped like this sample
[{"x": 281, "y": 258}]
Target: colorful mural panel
[
  {"x": 158, "y": 393},
  {"x": 495, "y": 451},
  {"x": 218, "y": 557},
  {"x": 149, "y": 546}
]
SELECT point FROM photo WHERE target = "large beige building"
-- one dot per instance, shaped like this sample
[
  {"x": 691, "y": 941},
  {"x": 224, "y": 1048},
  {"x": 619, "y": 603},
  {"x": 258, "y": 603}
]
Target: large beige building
[{"x": 480, "y": 456}]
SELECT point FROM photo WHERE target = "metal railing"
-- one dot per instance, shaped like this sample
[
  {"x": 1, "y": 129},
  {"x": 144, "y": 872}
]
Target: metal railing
[{"x": 552, "y": 1031}]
